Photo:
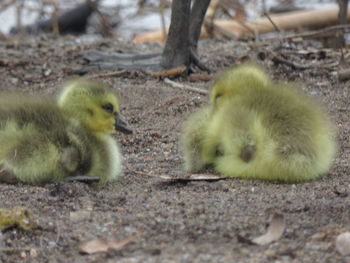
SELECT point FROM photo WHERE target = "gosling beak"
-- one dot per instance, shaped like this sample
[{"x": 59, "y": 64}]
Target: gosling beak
[{"x": 121, "y": 125}]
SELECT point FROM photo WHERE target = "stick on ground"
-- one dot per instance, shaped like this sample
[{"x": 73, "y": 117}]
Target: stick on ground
[{"x": 185, "y": 87}]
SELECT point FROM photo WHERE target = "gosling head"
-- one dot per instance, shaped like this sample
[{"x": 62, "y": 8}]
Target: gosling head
[
  {"x": 95, "y": 105},
  {"x": 237, "y": 81}
]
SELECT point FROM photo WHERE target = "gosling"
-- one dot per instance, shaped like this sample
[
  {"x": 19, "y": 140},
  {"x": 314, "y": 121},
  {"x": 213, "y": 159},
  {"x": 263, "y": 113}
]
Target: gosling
[
  {"x": 44, "y": 140},
  {"x": 256, "y": 128}
]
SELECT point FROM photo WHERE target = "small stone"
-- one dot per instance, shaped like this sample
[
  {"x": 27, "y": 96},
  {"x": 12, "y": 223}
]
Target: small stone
[
  {"x": 33, "y": 253},
  {"x": 342, "y": 244},
  {"x": 23, "y": 254}
]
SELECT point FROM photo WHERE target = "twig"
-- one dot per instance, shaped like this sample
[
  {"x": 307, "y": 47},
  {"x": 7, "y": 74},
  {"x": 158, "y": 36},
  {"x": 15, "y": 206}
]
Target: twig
[
  {"x": 140, "y": 173},
  {"x": 274, "y": 25},
  {"x": 194, "y": 177},
  {"x": 271, "y": 21},
  {"x": 191, "y": 177},
  {"x": 109, "y": 74},
  {"x": 279, "y": 60},
  {"x": 185, "y": 87},
  {"x": 106, "y": 25},
  {"x": 249, "y": 30}
]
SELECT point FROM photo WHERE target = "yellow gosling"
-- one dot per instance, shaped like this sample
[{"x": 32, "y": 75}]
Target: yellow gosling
[
  {"x": 42, "y": 140},
  {"x": 263, "y": 130}
]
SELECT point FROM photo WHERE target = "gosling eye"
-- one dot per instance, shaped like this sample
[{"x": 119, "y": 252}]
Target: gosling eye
[{"x": 108, "y": 107}]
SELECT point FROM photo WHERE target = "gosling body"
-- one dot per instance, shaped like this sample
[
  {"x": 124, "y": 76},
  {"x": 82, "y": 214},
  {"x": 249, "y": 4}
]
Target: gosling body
[{"x": 264, "y": 130}]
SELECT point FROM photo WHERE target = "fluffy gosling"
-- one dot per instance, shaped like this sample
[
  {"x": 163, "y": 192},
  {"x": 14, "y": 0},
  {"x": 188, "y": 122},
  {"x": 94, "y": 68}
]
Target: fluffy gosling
[
  {"x": 43, "y": 140},
  {"x": 255, "y": 128}
]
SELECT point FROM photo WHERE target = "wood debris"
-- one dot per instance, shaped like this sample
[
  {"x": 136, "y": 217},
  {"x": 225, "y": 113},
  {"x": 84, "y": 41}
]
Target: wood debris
[
  {"x": 274, "y": 231},
  {"x": 284, "y": 21},
  {"x": 170, "y": 72},
  {"x": 194, "y": 177},
  {"x": 185, "y": 87}
]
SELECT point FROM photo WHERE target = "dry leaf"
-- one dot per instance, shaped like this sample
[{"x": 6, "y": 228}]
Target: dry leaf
[
  {"x": 194, "y": 177},
  {"x": 114, "y": 244},
  {"x": 94, "y": 246},
  {"x": 342, "y": 243},
  {"x": 102, "y": 245},
  {"x": 274, "y": 231}
]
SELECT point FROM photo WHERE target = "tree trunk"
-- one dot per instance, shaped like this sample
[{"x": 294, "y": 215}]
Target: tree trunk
[{"x": 176, "y": 51}]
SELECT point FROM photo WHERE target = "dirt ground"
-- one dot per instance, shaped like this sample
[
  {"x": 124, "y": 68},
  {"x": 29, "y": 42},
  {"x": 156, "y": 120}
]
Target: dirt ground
[{"x": 175, "y": 222}]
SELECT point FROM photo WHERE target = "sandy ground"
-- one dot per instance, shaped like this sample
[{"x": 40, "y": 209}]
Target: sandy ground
[{"x": 172, "y": 221}]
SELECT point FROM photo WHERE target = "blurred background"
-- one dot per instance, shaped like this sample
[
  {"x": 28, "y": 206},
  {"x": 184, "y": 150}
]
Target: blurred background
[{"x": 128, "y": 18}]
